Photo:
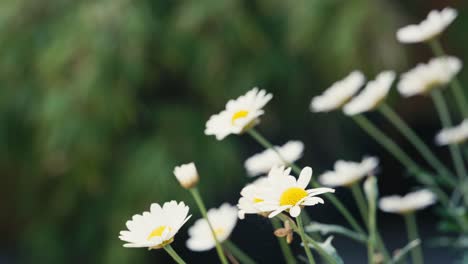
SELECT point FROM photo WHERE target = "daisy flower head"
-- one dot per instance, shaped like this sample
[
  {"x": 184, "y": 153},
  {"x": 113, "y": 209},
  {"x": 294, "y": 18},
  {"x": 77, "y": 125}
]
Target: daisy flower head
[
  {"x": 286, "y": 193},
  {"x": 262, "y": 162},
  {"x": 409, "y": 203},
  {"x": 240, "y": 114},
  {"x": 223, "y": 221},
  {"x": 346, "y": 173},
  {"x": 453, "y": 135},
  {"x": 428, "y": 29},
  {"x": 187, "y": 175},
  {"x": 156, "y": 228},
  {"x": 425, "y": 77},
  {"x": 372, "y": 95},
  {"x": 251, "y": 196},
  {"x": 338, "y": 94}
]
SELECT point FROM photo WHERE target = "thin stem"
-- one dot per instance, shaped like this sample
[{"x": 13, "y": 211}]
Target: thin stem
[
  {"x": 416, "y": 141},
  {"x": 285, "y": 249},
  {"x": 173, "y": 254},
  {"x": 201, "y": 206},
  {"x": 371, "y": 241},
  {"x": 444, "y": 116},
  {"x": 416, "y": 253},
  {"x": 360, "y": 200},
  {"x": 455, "y": 86},
  {"x": 267, "y": 145},
  {"x": 304, "y": 240},
  {"x": 238, "y": 253}
]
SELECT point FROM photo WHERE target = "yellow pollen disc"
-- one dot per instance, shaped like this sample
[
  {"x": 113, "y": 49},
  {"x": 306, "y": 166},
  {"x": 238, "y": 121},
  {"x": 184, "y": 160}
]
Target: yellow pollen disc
[
  {"x": 239, "y": 114},
  {"x": 219, "y": 231},
  {"x": 257, "y": 200},
  {"x": 157, "y": 232},
  {"x": 292, "y": 195}
]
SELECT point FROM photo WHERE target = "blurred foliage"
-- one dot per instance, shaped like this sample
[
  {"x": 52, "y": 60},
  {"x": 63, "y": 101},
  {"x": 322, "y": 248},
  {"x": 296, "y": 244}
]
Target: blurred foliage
[{"x": 99, "y": 100}]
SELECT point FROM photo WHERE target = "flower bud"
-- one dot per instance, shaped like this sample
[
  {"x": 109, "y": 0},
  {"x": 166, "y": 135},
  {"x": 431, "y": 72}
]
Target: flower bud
[{"x": 187, "y": 175}]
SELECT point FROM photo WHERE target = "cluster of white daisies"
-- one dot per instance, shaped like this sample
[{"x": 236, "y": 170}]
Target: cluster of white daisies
[{"x": 276, "y": 191}]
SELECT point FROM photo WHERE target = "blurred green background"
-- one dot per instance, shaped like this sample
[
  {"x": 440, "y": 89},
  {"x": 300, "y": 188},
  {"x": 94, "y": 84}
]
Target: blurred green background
[{"x": 99, "y": 100}]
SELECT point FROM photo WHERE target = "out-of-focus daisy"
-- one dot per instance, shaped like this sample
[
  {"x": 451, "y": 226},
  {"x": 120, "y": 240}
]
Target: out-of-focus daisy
[
  {"x": 406, "y": 204},
  {"x": 262, "y": 162},
  {"x": 285, "y": 193},
  {"x": 156, "y": 228},
  {"x": 346, "y": 173},
  {"x": 372, "y": 95},
  {"x": 454, "y": 135},
  {"x": 251, "y": 196},
  {"x": 431, "y": 27},
  {"x": 338, "y": 94},
  {"x": 223, "y": 221},
  {"x": 187, "y": 175},
  {"x": 425, "y": 77},
  {"x": 239, "y": 115}
]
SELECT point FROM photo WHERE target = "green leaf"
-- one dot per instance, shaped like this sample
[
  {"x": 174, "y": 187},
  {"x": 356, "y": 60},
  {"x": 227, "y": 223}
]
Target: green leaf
[
  {"x": 400, "y": 255},
  {"x": 326, "y": 229},
  {"x": 330, "y": 250}
]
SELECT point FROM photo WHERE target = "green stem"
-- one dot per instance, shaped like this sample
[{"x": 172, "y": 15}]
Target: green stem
[
  {"x": 455, "y": 86},
  {"x": 201, "y": 206},
  {"x": 416, "y": 253},
  {"x": 444, "y": 116},
  {"x": 371, "y": 242},
  {"x": 285, "y": 249},
  {"x": 360, "y": 200},
  {"x": 173, "y": 254},
  {"x": 416, "y": 141},
  {"x": 310, "y": 258},
  {"x": 267, "y": 145},
  {"x": 238, "y": 253}
]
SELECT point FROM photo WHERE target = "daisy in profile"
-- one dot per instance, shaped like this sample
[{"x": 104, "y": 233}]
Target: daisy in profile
[
  {"x": 338, "y": 94},
  {"x": 286, "y": 193},
  {"x": 428, "y": 29},
  {"x": 409, "y": 203},
  {"x": 453, "y": 135},
  {"x": 156, "y": 228},
  {"x": 239, "y": 115},
  {"x": 187, "y": 175},
  {"x": 223, "y": 220},
  {"x": 372, "y": 95},
  {"x": 262, "y": 162},
  {"x": 425, "y": 77},
  {"x": 251, "y": 196},
  {"x": 346, "y": 173}
]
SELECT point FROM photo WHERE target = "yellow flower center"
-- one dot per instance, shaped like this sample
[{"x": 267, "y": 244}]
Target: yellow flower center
[
  {"x": 257, "y": 200},
  {"x": 292, "y": 195},
  {"x": 238, "y": 114},
  {"x": 219, "y": 231},
  {"x": 157, "y": 232}
]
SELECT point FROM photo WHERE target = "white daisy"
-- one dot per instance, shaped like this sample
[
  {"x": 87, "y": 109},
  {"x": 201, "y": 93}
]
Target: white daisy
[
  {"x": 454, "y": 135},
  {"x": 425, "y": 77},
  {"x": 223, "y": 221},
  {"x": 262, "y": 162},
  {"x": 338, "y": 94},
  {"x": 239, "y": 115},
  {"x": 285, "y": 193},
  {"x": 156, "y": 228},
  {"x": 187, "y": 175},
  {"x": 251, "y": 195},
  {"x": 372, "y": 95},
  {"x": 431, "y": 27},
  {"x": 405, "y": 204},
  {"x": 346, "y": 173}
]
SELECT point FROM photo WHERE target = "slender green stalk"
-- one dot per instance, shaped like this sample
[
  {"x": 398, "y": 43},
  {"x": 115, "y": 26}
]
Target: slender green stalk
[
  {"x": 173, "y": 254},
  {"x": 416, "y": 141},
  {"x": 360, "y": 200},
  {"x": 371, "y": 241},
  {"x": 412, "y": 228},
  {"x": 238, "y": 253},
  {"x": 196, "y": 195},
  {"x": 456, "y": 88},
  {"x": 341, "y": 208},
  {"x": 285, "y": 249},
  {"x": 455, "y": 150},
  {"x": 300, "y": 226},
  {"x": 267, "y": 145}
]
